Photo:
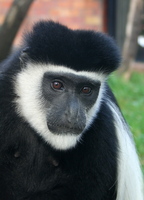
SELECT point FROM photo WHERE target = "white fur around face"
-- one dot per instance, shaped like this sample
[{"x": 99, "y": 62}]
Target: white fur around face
[{"x": 30, "y": 103}]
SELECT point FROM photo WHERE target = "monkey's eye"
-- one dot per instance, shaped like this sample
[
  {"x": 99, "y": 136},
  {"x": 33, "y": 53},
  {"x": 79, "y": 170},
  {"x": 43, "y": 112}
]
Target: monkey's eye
[
  {"x": 86, "y": 90},
  {"x": 57, "y": 85}
]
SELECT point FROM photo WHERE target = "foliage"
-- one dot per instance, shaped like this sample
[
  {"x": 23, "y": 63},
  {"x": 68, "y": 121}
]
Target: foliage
[{"x": 130, "y": 96}]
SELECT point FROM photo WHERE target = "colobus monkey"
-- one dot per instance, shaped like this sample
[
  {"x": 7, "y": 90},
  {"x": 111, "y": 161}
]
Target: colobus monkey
[{"x": 62, "y": 134}]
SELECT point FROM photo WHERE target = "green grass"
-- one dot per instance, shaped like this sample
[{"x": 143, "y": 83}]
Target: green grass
[{"x": 130, "y": 96}]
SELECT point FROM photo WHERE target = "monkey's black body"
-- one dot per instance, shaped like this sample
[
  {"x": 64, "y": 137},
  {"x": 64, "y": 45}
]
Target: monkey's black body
[
  {"x": 39, "y": 164},
  {"x": 30, "y": 169}
]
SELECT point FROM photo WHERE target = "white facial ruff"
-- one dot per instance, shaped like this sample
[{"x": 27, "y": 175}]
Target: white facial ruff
[{"x": 30, "y": 103}]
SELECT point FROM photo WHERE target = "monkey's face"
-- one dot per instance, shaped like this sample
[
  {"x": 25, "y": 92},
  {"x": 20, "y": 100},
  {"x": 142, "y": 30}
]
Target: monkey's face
[
  {"x": 68, "y": 98},
  {"x": 58, "y": 102}
]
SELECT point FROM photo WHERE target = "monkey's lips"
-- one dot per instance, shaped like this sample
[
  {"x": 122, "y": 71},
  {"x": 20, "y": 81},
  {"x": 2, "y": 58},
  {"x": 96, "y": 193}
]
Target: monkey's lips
[{"x": 63, "y": 129}]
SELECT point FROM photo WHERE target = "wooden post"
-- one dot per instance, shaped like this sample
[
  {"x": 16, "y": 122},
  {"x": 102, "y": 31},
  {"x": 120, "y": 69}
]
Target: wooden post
[
  {"x": 9, "y": 28},
  {"x": 133, "y": 28}
]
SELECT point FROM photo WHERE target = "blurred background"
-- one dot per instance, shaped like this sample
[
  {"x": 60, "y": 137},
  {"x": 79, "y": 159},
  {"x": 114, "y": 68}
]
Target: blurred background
[{"x": 121, "y": 19}]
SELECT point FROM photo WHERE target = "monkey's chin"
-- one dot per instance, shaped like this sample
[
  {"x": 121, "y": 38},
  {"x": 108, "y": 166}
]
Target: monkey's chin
[
  {"x": 63, "y": 141},
  {"x": 63, "y": 137},
  {"x": 65, "y": 130}
]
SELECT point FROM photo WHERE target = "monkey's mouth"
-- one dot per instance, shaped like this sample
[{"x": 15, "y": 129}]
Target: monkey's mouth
[{"x": 63, "y": 129}]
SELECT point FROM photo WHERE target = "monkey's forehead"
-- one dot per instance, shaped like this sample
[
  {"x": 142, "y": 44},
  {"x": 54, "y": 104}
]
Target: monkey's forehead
[
  {"x": 36, "y": 71},
  {"x": 51, "y": 42}
]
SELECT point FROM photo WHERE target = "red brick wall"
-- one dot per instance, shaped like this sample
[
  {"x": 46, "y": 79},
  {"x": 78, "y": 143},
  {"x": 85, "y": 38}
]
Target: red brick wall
[{"x": 87, "y": 14}]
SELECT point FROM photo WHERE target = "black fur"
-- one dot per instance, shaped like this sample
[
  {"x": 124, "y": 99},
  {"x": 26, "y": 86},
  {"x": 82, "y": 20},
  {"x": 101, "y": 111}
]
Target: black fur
[
  {"x": 29, "y": 168},
  {"x": 78, "y": 49}
]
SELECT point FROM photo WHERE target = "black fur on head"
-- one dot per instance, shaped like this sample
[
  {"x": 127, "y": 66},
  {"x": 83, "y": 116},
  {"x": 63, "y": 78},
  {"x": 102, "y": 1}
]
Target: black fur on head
[{"x": 51, "y": 42}]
